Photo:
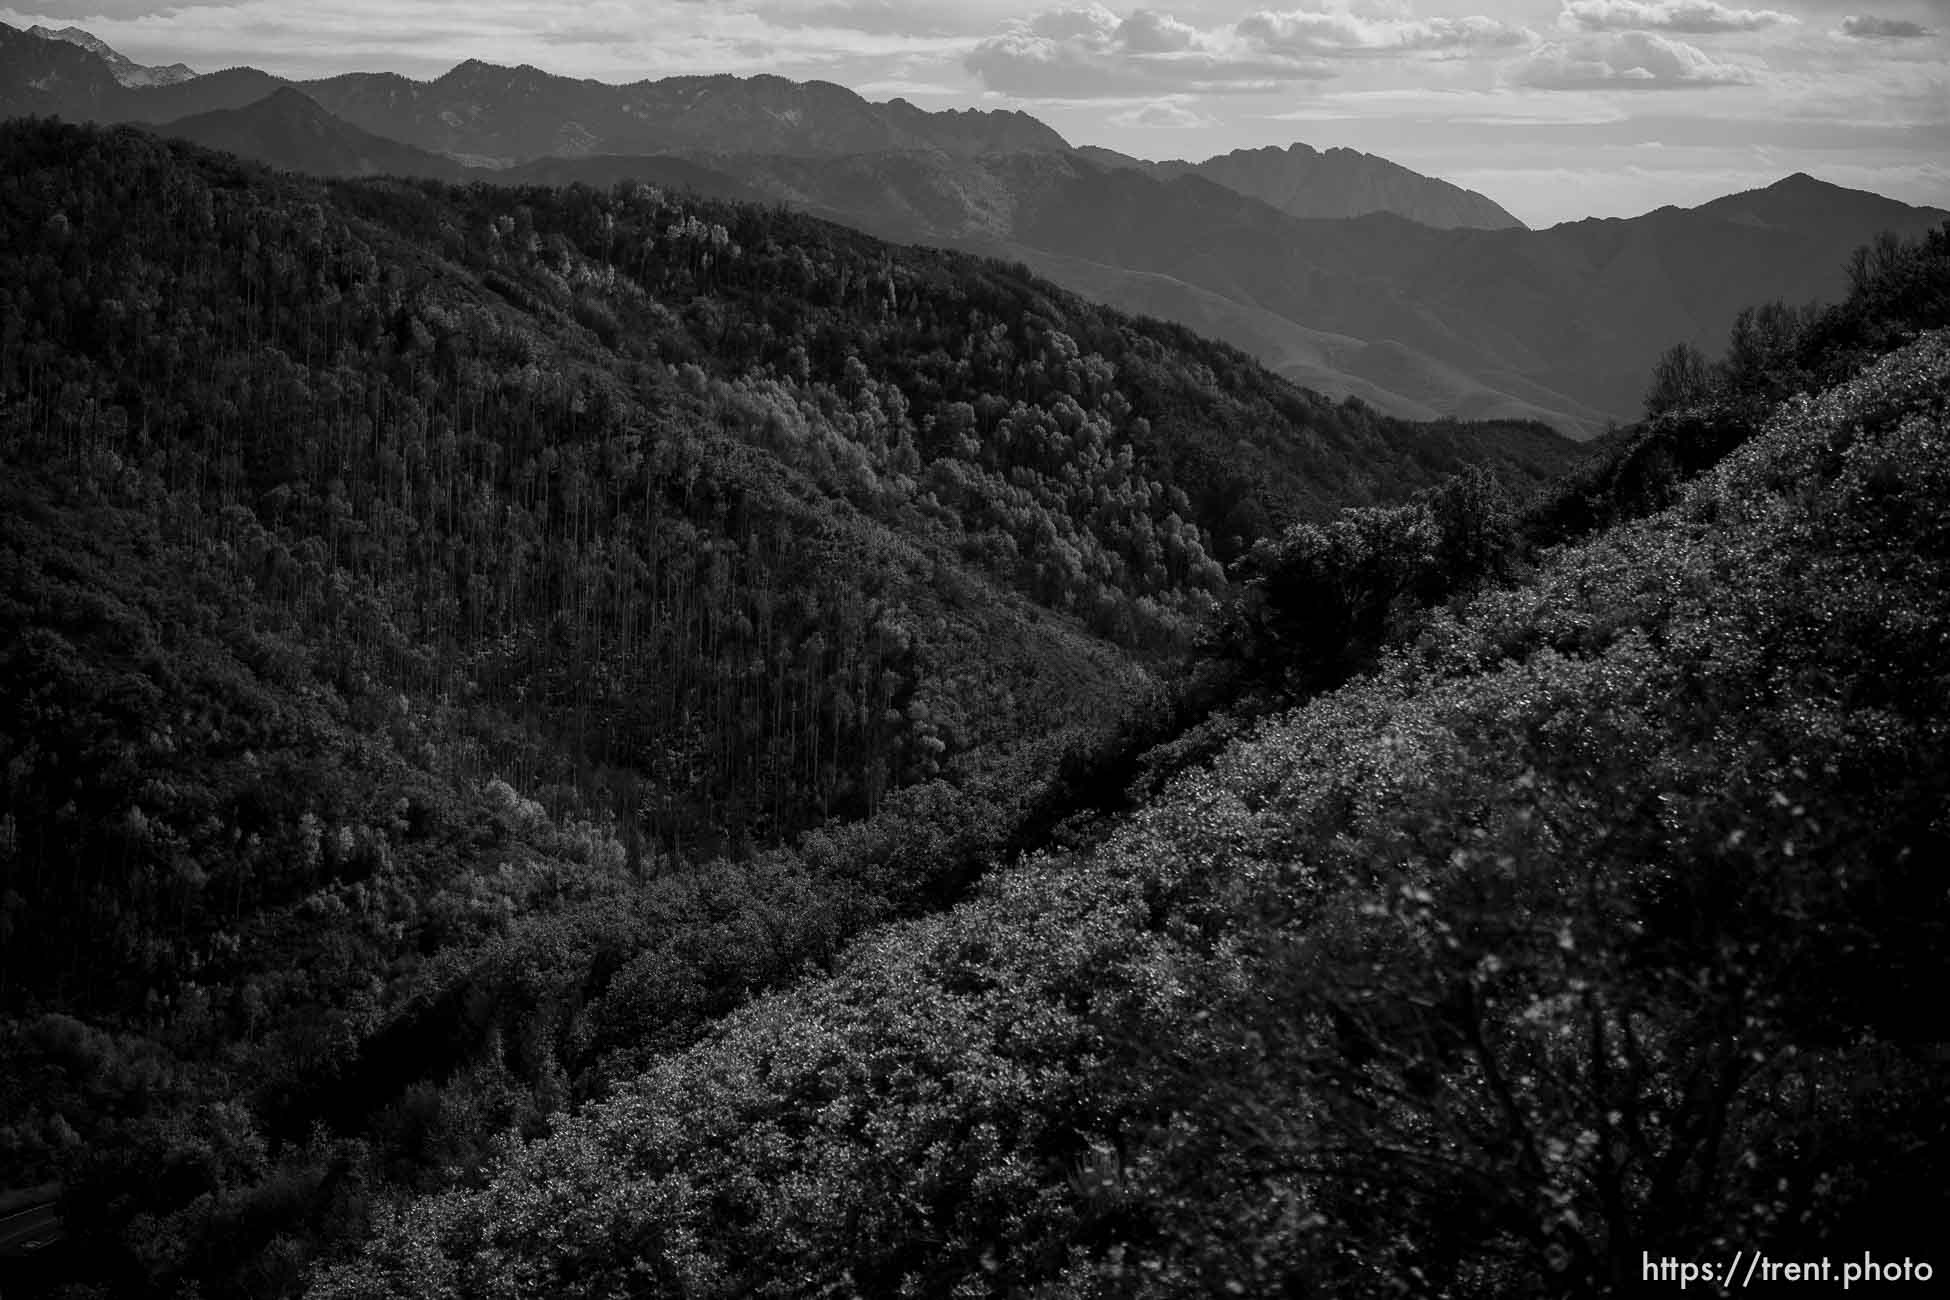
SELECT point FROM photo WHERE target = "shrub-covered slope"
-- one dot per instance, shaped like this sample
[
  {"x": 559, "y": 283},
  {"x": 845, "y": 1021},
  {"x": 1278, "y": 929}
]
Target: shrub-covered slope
[
  {"x": 1603, "y": 918},
  {"x": 456, "y": 644}
]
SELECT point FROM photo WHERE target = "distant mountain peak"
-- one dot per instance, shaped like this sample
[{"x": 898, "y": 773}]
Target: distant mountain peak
[
  {"x": 1803, "y": 183},
  {"x": 1799, "y": 200},
  {"x": 470, "y": 70},
  {"x": 289, "y": 129},
  {"x": 124, "y": 69},
  {"x": 290, "y": 98},
  {"x": 1303, "y": 181}
]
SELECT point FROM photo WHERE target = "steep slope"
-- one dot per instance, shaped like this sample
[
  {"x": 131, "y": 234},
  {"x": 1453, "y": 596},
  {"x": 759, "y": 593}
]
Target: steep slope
[
  {"x": 1024, "y": 208},
  {"x": 1562, "y": 324},
  {"x": 1578, "y": 311},
  {"x": 127, "y": 71},
  {"x": 1301, "y": 181},
  {"x": 286, "y": 129},
  {"x": 1525, "y": 957},
  {"x": 54, "y": 77},
  {"x": 461, "y": 642},
  {"x": 57, "y": 78},
  {"x": 605, "y": 171},
  {"x": 1037, "y": 210},
  {"x": 1802, "y": 204}
]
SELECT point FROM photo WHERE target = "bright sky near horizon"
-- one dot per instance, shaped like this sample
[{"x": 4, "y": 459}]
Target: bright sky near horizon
[{"x": 1557, "y": 109}]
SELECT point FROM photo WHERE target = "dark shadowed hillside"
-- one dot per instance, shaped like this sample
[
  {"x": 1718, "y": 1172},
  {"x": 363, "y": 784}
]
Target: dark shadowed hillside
[
  {"x": 592, "y": 738},
  {"x": 288, "y": 129},
  {"x": 462, "y": 642},
  {"x": 1595, "y": 923},
  {"x": 1560, "y": 324},
  {"x": 58, "y": 78}
]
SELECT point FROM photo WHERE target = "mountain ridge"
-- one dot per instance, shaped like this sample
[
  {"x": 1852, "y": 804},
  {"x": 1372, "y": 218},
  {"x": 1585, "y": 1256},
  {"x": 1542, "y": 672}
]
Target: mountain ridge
[
  {"x": 583, "y": 739},
  {"x": 445, "y": 115},
  {"x": 1562, "y": 323},
  {"x": 127, "y": 71},
  {"x": 1559, "y": 324},
  {"x": 290, "y": 129},
  {"x": 456, "y": 114},
  {"x": 1338, "y": 182}
]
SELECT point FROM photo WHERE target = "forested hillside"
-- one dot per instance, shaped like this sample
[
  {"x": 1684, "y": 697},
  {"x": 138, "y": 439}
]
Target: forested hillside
[
  {"x": 1599, "y": 919},
  {"x": 573, "y": 741},
  {"x": 457, "y": 644},
  {"x": 1426, "y": 301},
  {"x": 1559, "y": 324}
]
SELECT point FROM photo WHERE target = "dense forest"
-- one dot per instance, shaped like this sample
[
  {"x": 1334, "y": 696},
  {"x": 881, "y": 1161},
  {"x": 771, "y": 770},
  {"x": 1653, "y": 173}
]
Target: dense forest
[
  {"x": 460, "y": 642},
  {"x": 1597, "y": 917},
  {"x": 567, "y": 741}
]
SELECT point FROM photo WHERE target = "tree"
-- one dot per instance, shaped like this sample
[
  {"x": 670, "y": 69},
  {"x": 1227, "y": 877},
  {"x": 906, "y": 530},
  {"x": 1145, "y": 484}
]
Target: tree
[
  {"x": 1761, "y": 358},
  {"x": 1680, "y": 379}
]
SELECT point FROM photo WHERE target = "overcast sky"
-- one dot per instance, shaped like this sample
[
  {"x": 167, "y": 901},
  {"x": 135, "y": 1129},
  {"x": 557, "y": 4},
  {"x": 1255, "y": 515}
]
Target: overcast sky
[{"x": 1558, "y": 109}]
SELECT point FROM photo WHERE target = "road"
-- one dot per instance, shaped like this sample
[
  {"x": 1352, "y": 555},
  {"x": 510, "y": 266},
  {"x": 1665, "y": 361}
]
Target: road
[{"x": 29, "y": 1228}]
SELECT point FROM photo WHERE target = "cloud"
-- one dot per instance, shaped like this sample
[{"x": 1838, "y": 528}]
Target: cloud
[
  {"x": 1426, "y": 105},
  {"x": 1866, "y": 28},
  {"x": 1692, "y": 17},
  {"x": 1167, "y": 114},
  {"x": 79, "y": 13},
  {"x": 612, "y": 40},
  {"x": 1627, "y": 61},
  {"x": 881, "y": 17},
  {"x": 1089, "y": 51},
  {"x": 1327, "y": 33},
  {"x": 904, "y": 88},
  {"x": 1149, "y": 32}
]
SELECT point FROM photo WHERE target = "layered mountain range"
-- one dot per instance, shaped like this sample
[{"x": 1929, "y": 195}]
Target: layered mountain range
[
  {"x": 586, "y": 726},
  {"x": 592, "y": 740},
  {"x": 1344, "y": 272},
  {"x": 1302, "y": 181},
  {"x": 493, "y": 116},
  {"x": 1559, "y": 325}
]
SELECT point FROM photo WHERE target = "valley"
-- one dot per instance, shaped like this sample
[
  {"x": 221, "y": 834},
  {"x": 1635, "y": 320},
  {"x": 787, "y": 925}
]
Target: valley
[{"x": 714, "y": 687}]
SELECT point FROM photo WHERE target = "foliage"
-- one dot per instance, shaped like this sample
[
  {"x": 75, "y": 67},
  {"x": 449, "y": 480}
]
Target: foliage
[
  {"x": 460, "y": 643},
  {"x": 1681, "y": 378},
  {"x": 1321, "y": 600},
  {"x": 1596, "y": 921},
  {"x": 1697, "y": 411},
  {"x": 526, "y": 706}
]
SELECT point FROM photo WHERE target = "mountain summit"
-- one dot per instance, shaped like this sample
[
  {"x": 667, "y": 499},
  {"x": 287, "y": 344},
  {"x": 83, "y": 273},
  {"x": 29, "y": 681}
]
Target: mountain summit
[
  {"x": 1302, "y": 181},
  {"x": 1806, "y": 202},
  {"x": 125, "y": 70},
  {"x": 287, "y": 129}
]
